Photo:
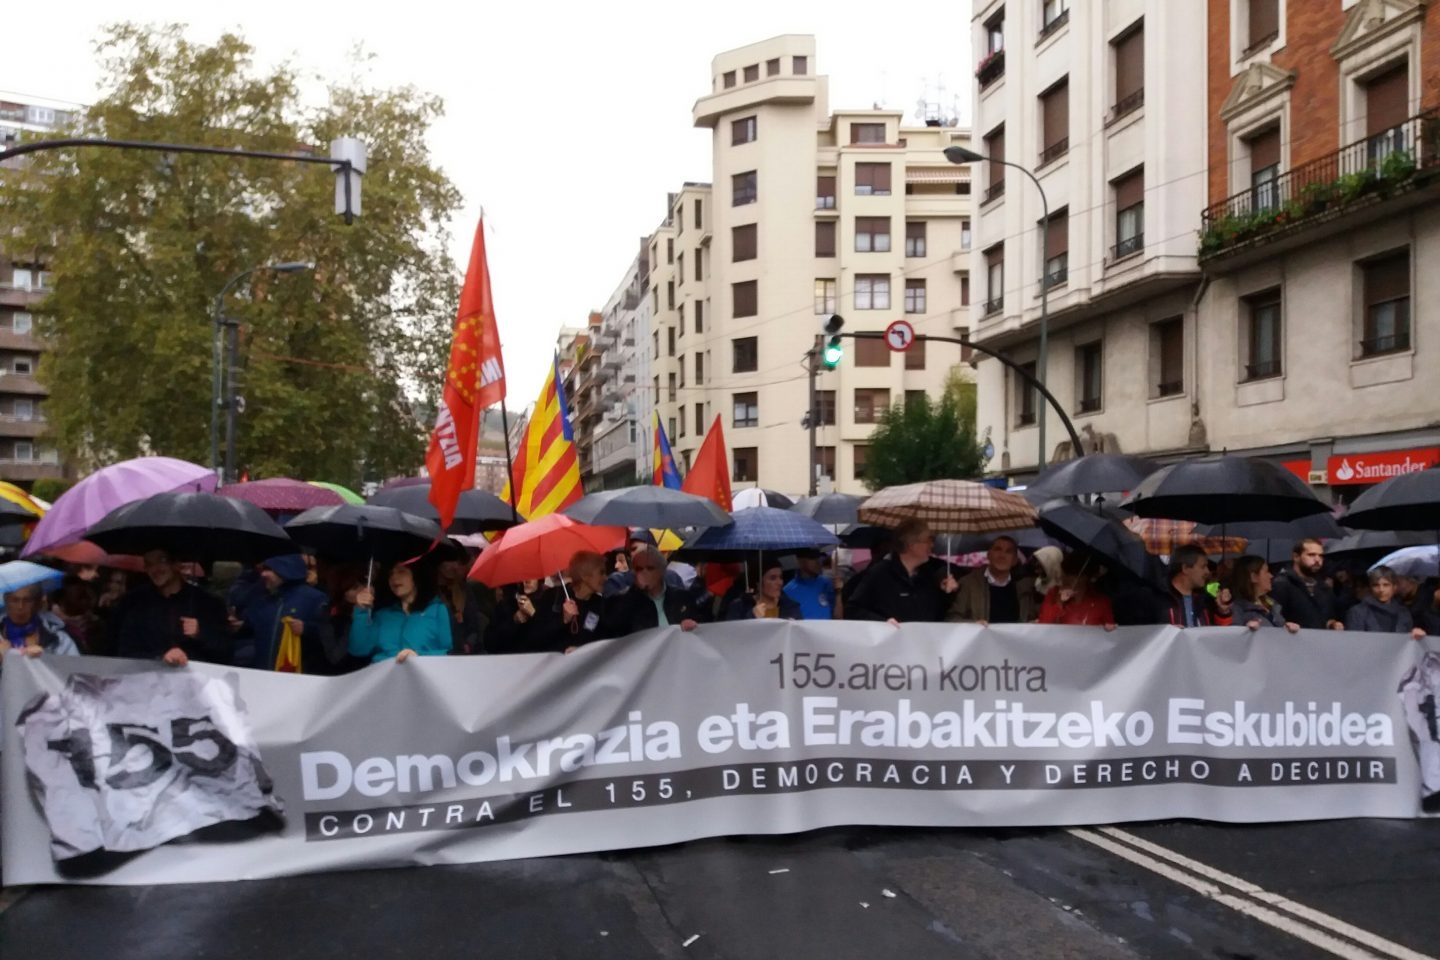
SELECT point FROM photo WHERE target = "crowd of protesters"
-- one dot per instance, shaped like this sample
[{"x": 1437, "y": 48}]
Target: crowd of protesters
[{"x": 348, "y": 615}]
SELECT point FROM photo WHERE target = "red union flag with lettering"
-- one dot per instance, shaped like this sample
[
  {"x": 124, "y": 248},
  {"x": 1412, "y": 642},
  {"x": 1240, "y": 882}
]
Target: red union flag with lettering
[{"x": 474, "y": 380}]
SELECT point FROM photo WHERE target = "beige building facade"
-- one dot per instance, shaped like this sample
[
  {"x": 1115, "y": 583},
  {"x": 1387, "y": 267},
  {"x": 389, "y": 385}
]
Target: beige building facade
[{"x": 808, "y": 214}]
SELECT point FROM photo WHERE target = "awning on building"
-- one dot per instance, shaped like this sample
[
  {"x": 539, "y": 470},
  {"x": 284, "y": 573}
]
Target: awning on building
[{"x": 950, "y": 174}]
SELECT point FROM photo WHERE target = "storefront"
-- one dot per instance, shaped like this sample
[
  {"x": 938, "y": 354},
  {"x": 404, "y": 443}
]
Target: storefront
[{"x": 1350, "y": 472}]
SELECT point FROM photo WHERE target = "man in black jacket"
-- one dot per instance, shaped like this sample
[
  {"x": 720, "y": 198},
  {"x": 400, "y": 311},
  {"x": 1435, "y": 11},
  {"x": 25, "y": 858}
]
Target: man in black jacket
[
  {"x": 906, "y": 585},
  {"x": 1184, "y": 603},
  {"x": 650, "y": 603},
  {"x": 1302, "y": 595},
  {"x": 170, "y": 619}
]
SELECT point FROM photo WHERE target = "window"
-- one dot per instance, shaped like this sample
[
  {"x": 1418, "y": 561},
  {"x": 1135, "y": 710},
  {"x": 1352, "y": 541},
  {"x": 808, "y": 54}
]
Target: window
[
  {"x": 914, "y": 296},
  {"x": 965, "y": 290},
  {"x": 914, "y": 398},
  {"x": 752, "y": 73},
  {"x": 671, "y": 429},
  {"x": 700, "y": 316},
  {"x": 965, "y": 236},
  {"x": 1089, "y": 365},
  {"x": 995, "y": 150},
  {"x": 742, "y": 188},
  {"x": 699, "y": 421},
  {"x": 728, "y": 78},
  {"x": 799, "y": 66},
  {"x": 995, "y": 279},
  {"x": 744, "y": 295},
  {"x": 742, "y": 242},
  {"x": 870, "y": 404},
  {"x": 825, "y": 298},
  {"x": 872, "y": 179},
  {"x": 24, "y": 408},
  {"x": 699, "y": 372},
  {"x": 741, "y": 131},
  {"x": 872, "y": 291},
  {"x": 747, "y": 463},
  {"x": 657, "y": 389},
  {"x": 1053, "y": 15},
  {"x": 1129, "y": 71},
  {"x": 1055, "y": 122},
  {"x": 824, "y": 238},
  {"x": 825, "y": 192},
  {"x": 861, "y": 452},
  {"x": 655, "y": 299},
  {"x": 680, "y": 268},
  {"x": 825, "y": 460},
  {"x": 670, "y": 393},
  {"x": 655, "y": 354},
  {"x": 1057, "y": 248},
  {"x": 825, "y": 401},
  {"x": 669, "y": 250},
  {"x": 871, "y": 352},
  {"x": 1129, "y": 213},
  {"x": 670, "y": 294},
  {"x": 1168, "y": 347},
  {"x": 995, "y": 32},
  {"x": 683, "y": 421},
  {"x": 21, "y": 322},
  {"x": 746, "y": 354},
  {"x": 872, "y": 234},
  {"x": 1387, "y": 105},
  {"x": 1263, "y": 23},
  {"x": 1264, "y": 168},
  {"x": 680, "y": 314},
  {"x": 915, "y": 238},
  {"x": 867, "y": 133},
  {"x": 698, "y": 275},
  {"x": 1025, "y": 395},
  {"x": 699, "y": 214},
  {"x": 24, "y": 450},
  {"x": 1263, "y": 339},
  {"x": 1387, "y": 304},
  {"x": 772, "y": 67},
  {"x": 915, "y": 356},
  {"x": 670, "y": 339},
  {"x": 677, "y": 217},
  {"x": 747, "y": 409},
  {"x": 23, "y": 279}
]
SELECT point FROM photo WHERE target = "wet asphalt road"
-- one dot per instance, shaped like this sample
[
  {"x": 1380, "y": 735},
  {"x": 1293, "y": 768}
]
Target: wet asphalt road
[{"x": 833, "y": 894}]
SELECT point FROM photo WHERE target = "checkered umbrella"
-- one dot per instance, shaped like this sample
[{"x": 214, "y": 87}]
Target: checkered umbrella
[
  {"x": 757, "y": 529},
  {"x": 949, "y": 506},
  {"x": 1165, "y": 536}
]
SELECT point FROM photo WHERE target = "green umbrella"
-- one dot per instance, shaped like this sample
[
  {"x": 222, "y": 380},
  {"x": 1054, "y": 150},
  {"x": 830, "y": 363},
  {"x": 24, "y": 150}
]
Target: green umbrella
[{"x": 348, "y": 495}]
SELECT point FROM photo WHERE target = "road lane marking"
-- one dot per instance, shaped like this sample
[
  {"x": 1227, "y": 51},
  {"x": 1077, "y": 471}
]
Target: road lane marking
[{"x": 1314, "y": 927}]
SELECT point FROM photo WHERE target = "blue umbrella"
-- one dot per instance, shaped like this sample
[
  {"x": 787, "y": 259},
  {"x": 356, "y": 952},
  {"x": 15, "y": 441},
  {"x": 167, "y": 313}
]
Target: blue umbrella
[
  {"x": 756, "y": 529},
  {"x": 1417, "y": 562},
  {"x": 23, "y": 573}
]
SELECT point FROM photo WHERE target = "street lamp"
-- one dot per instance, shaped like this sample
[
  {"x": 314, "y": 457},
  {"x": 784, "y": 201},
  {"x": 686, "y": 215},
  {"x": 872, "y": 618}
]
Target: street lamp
[
  {"x": 230, "y": 344},
  {"x": 958, "y": 154}
]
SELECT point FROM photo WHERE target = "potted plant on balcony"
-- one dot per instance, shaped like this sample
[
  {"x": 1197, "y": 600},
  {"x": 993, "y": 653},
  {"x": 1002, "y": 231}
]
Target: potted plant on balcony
[
  {"x": 1316, "y": 196},
  {"x": 990, "y": 66}
]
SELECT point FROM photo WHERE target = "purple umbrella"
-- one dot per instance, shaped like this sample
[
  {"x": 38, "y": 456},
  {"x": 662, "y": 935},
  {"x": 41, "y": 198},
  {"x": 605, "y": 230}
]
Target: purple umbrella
[
  {"x": 109, "y": 488},
  {"x": 282, "y": 495}
]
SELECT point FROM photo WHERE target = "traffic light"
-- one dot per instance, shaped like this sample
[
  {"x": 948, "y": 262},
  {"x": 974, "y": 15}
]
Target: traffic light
[{"x": 833, "y": 351}]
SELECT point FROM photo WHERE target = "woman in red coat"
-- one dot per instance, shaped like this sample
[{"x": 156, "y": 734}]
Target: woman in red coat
[{"x": 1074, "y": 600}]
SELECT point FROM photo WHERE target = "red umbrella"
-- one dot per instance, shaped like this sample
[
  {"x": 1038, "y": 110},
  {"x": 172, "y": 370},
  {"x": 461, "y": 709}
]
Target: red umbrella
[
  {"x": 540, "y": 548},
  {"x": 281, "y": 495}
]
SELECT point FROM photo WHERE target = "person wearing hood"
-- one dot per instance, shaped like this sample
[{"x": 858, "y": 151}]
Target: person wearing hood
[
  {"x": 289, "y": 599},
  {"x": 1381, "y": 612},
  {"x": 31, "y": 630}
]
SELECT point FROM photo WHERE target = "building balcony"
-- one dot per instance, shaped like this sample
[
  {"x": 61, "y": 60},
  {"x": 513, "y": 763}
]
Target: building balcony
[
  {"x": 22, "y": 384},
  {"x": 991, "y": 68},
  {"x": 18, "y": 428},
  {"x": 1363, "y": 180},
  {"x": 27, "y": 471},
  {"x": 1125, "y": 106},
  {"x": 29, "y": 343},
  {"x": 21, "y": 297}
]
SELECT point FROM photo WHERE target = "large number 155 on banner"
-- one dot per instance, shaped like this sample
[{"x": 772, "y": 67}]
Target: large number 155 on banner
[{"x": 124, "y": 764}]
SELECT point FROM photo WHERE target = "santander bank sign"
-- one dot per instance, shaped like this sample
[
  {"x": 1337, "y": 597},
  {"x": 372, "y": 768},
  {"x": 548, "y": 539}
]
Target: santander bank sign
[{"x": 1376, "y": 467}]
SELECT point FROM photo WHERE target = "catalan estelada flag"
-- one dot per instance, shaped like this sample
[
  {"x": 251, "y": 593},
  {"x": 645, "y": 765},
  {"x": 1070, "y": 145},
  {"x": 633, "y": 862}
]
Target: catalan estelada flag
[
  {"x": 546, "y": 471},
  {"x": 665, "y": 474}
]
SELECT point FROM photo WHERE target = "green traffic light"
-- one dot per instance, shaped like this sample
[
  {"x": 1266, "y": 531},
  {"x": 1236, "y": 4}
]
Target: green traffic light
[{"x": 833, "y": 353}]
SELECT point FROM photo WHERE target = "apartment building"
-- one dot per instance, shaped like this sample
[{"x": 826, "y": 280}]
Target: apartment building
[
  {"x": 1320, "y": 237},
  {"x": 622, "y": 439},
  {"x": 1100, "y": 101},
  {"x": 809, "y": 214},
  {"x": 25, "y": 456}
]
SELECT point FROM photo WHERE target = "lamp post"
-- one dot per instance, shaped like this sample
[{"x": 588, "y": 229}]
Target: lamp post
[
  {"x": 958, "y": 154},
  {"x": 226, "y": 342}
]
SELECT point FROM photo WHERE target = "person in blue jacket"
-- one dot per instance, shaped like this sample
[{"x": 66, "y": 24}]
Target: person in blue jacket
[
  {"x": 412, "y": 621},
  {"x": 285, "y": 595}
]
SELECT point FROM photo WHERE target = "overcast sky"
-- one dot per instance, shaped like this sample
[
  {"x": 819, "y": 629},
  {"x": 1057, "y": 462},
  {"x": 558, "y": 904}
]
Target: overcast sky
[{"x": 568, "y": 124}]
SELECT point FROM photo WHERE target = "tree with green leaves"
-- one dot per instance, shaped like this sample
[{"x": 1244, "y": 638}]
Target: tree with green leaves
[
  {"x": 341, "y": 365},
  {"x": 924, "y": 440}
]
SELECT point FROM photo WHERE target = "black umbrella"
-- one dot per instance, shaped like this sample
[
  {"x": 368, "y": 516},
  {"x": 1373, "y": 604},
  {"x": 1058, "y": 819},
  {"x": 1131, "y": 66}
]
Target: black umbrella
[
  {"x": 956, "y": 544},
  {"x": 1367, "y": 546},
  {"x": 859, "y": 536},
  {"x": 1410, "y": 501},
  {"x": 1100, "y": 533},
  {"x": 659, "y": 508},
  {"x": 476, "y": 511},
  {"x": 353, "y": 532},
  {"x": 192, "y": 526},
  {"x": 1092, "y": 473},
  {"x": 1224, "y": 490},
  {"x": 830, "y": 508},
  {"x": 1271, "y": 550},
  {"x": 14, "y": 515},
  {"x": 1317, "y": 526}
]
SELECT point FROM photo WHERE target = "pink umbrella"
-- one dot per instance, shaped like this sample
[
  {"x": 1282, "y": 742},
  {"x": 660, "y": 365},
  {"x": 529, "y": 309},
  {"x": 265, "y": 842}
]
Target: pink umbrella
[
  {"x": 281, "y": 495},
  {"x": 92, "y": 499}
]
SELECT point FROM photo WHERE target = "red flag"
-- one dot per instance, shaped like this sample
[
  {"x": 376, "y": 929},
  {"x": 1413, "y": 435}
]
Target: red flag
[
  {"x": 709, "y": 475},
  {"x": 474, "y": 380}
]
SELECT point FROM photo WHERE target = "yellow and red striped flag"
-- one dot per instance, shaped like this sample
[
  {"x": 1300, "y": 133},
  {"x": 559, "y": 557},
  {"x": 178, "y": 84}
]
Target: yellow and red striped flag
[{"x": 546, "y": 471}]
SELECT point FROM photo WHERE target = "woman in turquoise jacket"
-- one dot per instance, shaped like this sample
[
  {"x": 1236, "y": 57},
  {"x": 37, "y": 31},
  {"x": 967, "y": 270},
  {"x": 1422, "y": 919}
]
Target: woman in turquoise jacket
[{"x": 415, "y": 622}]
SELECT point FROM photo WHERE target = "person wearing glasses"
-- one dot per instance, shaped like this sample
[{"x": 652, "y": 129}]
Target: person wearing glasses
[
  {"x": 908, "y": 585},
  {"x": 584, "y": 616},
  {"x": 651, "y": 602}
]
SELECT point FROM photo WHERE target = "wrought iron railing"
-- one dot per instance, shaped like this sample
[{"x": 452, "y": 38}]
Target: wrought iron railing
[
  {"x": 1390, "y": 343},
  {"x": 996, "y": 189},
  {"x": 1060, "y": 20},
  {"x": 1055, "y": 151},
  {"x": 1126, "y": 105},
  {"x": 994, "y": 306},
  {"x": 1127, "y": 246},
  {"x": 991, "y": 69}
]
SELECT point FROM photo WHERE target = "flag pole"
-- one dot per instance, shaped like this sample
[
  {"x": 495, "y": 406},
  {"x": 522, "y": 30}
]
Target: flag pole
[{"x": 509, "y": 461}]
